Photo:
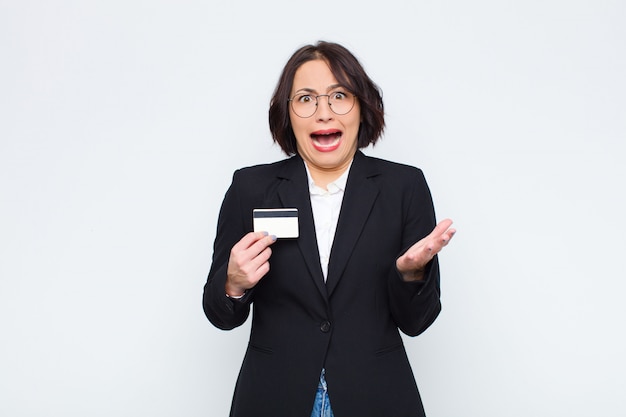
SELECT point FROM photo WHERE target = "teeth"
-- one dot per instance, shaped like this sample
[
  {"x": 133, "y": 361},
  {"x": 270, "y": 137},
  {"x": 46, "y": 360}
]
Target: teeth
[
  {"x": 327, "y": 145},
  {"x": 326, "y": 140}
]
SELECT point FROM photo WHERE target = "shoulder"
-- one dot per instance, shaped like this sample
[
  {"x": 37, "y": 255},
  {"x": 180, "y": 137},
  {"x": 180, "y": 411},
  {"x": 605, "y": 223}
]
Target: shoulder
[
  {"x": 267, "y": 171},
  {"x": 261, "y": 180},
  {"x": 394, "y": 180},
  {"x": 261, "y": 169},
  {"x": 399, "y": 183},
  {"x": 391, "y": 171}
]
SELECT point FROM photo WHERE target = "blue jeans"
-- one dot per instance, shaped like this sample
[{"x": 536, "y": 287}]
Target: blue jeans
[{"x": 321, "y": 406}]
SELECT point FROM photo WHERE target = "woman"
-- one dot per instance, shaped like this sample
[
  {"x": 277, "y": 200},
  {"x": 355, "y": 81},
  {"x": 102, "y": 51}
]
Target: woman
[{"x": 329, "y": 304}]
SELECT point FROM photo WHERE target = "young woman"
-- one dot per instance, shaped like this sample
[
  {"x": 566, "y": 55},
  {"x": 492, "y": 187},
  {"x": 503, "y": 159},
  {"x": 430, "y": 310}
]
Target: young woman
[{"x": 329, "y": 305}]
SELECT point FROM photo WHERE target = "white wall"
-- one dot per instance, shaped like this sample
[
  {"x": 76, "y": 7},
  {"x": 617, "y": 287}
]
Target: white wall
[{"x": 122, "y": 121}]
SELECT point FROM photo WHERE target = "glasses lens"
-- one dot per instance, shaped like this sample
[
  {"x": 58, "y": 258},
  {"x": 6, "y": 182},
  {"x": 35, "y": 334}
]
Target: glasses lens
[
  {"x": 304, "y": 105},
  {"x": 341, "y": 102}
]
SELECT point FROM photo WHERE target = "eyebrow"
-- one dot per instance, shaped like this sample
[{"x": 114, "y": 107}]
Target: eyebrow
[{"x": 311, "y": 90}]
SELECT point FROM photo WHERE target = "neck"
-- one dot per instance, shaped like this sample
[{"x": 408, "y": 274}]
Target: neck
[{"x": 324, "y": 176}]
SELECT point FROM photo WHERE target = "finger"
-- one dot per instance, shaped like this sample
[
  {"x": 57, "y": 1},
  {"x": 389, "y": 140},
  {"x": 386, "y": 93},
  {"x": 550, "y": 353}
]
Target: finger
[
  {"x": 255, "y": 263},
  {"x": 240, "y": 254},
  {"x": 448, "y": 235},
  {"x": 259, "y": 246},
  {"x": 441, "y": 227},
  {"x": 250, "y": 246},
  {"x": 261, "y": 265},
  {"x": 436, "y": 245},
  {"x": 255, "y": 269},
  {"x": 440, "y": 234},
  {"x": 248, "y": 240}
]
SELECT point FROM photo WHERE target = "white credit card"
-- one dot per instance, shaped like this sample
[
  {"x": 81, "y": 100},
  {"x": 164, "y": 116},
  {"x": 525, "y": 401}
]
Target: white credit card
[{"x": 281, "y": 222}]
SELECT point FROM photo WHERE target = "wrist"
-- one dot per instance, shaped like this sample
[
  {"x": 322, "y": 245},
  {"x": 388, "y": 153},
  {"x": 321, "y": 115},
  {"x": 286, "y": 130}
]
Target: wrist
[
  {"x": 415, "y": 275},
  {"x": 235, "y": 292},
  {"x": 236, "y": 297}
]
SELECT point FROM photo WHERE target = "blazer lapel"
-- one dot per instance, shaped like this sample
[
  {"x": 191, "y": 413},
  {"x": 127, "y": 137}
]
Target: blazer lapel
[
  {"x": 359, "y": 197},
  {"x": 295, "y": 193}
]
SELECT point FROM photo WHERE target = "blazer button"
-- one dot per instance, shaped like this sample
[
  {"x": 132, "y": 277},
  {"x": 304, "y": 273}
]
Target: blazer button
[{"x": 325, "y": 326}]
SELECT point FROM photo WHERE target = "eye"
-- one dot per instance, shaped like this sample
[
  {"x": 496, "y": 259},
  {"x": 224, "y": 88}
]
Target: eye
[
  {"x": 339, "y": 95},
  {"x": 305, "y": 98}
]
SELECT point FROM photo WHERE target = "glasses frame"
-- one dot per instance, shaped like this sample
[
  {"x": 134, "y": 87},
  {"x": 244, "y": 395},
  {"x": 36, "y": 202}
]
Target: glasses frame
[{"x": 330, "y": 106}]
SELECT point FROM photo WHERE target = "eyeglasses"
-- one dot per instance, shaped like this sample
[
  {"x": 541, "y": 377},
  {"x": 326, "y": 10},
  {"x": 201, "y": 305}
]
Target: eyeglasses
[{"x": 305, "y": 104}]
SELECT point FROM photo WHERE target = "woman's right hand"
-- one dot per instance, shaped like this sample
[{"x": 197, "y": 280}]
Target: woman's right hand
[{"x": 248, "y": 262}]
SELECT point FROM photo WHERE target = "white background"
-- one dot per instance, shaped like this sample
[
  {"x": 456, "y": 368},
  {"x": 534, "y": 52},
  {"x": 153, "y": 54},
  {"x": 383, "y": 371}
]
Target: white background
[{"x": 121, "y": 123}]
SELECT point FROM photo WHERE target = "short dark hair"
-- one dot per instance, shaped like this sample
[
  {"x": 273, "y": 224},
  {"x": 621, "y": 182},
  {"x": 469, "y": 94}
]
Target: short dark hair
[{"x": 349, "y": 72}]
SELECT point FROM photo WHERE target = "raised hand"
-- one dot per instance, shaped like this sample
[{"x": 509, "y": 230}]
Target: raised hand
[{"x": 412, "y": 263}]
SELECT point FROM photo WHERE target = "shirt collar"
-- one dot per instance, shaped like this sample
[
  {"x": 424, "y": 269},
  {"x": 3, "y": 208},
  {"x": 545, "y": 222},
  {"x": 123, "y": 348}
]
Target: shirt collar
[{"x": 333, "y": 187}]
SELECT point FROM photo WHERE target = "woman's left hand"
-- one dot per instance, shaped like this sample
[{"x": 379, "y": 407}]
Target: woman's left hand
[{"x": 413, "y": 262}]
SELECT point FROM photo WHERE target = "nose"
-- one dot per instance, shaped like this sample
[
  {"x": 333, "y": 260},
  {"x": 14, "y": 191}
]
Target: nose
[{"x": 323, "y": 111}]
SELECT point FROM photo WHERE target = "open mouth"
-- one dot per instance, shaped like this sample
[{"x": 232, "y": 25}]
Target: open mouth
[{"x": 326, "y": 140}]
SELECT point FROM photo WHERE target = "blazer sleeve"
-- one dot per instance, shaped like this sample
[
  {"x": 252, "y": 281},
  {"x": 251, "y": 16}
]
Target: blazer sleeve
[
  {"x": 223, "y": 312},
  {"x": 415, "y": 305}
]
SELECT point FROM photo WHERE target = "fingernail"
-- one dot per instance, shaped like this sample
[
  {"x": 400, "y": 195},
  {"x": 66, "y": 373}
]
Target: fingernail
[
  {"x": 264, "y": 233},
  {"x": 273, "y": 238}
]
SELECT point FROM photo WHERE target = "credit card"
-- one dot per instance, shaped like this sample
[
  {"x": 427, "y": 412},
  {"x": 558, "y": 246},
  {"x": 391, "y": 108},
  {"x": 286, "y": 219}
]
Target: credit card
[{"x": 281, "y": 222}]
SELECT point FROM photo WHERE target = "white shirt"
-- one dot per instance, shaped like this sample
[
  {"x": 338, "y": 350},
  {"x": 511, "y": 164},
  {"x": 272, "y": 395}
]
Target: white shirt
[{"x": 326, "y": 205}]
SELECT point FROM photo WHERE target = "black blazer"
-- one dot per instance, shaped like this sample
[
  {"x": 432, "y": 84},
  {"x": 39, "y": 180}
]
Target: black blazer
[{"x": 348, "y": 325}]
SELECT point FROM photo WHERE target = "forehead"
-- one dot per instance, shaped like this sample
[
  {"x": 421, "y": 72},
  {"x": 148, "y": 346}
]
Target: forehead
[{"x": 315, "y": 75}]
